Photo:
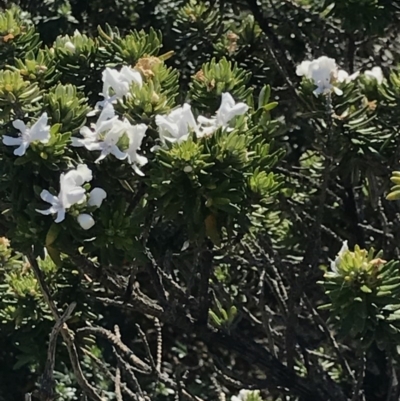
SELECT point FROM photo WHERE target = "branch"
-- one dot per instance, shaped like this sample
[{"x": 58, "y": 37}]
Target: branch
[
  {"x": 47, "y": 385},
  {"x": 87, "y": 388}
]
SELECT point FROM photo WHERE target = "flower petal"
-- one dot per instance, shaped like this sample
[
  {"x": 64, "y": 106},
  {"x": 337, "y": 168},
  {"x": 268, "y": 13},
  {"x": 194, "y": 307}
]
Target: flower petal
[
  {"x": 46, "y": 212},
  {"x": 20, "y": 151},
  {"x": 116, "y": 151},
  {"x": 48, "y": 197},
  {"x": 60, "y": 216},
  {"x": 96, "y": 197},
  {"x": 11, "y": 141},
  {"x": 19, "y": 125}
]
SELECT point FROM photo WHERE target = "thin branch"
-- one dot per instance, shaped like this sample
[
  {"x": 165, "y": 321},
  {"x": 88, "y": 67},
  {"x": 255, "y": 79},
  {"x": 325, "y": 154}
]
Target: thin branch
[
  {"x": 114, "y": 340},
  {"x": 117, "y": 381},
  {"x": 87, "y": 388},
  {"x": 147, "y": 347},
  {"x": 130, "y": 375},
  {"x": 102, "y": 366},
  {"x": 47, "y": 384},
  {"x": 358, "y": 394},
  {"x": 325, "y": 329},
  {"x": 264, "y": 314},
  {"x": 159, "y": 344}
]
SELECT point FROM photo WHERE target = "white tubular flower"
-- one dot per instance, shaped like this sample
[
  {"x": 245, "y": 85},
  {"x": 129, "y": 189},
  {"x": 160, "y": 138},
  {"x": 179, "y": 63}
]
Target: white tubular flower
[
  {"x": 104, "y": 123},
  {"x": 109, "y": 144},
  {"x": 226, "y": 112},
  {"x": 85, "y": 220},
  {"x": 104, "y": 135},
  {"x": 135, "y": 134},
  {"x": 119, "y": 82},
  {"x": 343, "y": 76},
  {"x": 71, "y": 192},
  {"x": 39, "y": 131},
  {"x": 375, "y": 74},
  {"x": 336, "y": 263},
  {"x": 322, "y": 72},
  {"x": 96, "y": 197},
  {"x": 176, "y": 126}
]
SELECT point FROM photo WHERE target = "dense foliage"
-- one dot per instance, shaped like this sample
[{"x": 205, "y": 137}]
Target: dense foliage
[{"x": 199, "y": 200}]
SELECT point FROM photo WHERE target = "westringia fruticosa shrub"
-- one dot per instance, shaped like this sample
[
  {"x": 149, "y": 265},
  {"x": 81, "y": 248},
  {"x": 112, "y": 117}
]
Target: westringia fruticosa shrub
[{"x": 163, "y": 197}]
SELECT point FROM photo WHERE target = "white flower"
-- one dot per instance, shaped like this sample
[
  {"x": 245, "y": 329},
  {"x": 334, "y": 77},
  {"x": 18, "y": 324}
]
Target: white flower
[
  {"x": 176, "y": 126},
  {"x": 343, "y": 76},
  {"x": 96, "y": 197},
  {"x": 71, "y": 192},
  {"x": 226, "y": 112},
  {"x": 109, "y": 144},
  {"x": 104, "y": 135},
  {"x": 119, "y": 82},
  {"x": 321, "y": 71},
  {"x": 105, "y": 122},
  {"x": 336, "y": 263},
  {"x": 39, "y": 131},
  {"x": 376, "y": 73},
  {"x": 135, "y": 135},
  {"x": 86, "y": 221}
]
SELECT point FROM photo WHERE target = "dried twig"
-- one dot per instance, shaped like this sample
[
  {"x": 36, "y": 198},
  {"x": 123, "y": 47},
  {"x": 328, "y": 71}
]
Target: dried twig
[
  {"x": 102, "y": 366},
  {"x": 147, "y": 347},
  {"x": 358, "y": 394},
  {"x": 47, "y": 384},
  {"x": 264, "y": 314},
  {"x": 121, "y": 347},
  {"x": 159, "y": 344},
  {"x": 87, "y": 388},
  {"x": 117, "y": 381}
]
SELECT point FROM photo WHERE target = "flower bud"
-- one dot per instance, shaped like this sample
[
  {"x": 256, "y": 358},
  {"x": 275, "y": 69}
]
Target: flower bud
[{"x": 86, "y": 221}]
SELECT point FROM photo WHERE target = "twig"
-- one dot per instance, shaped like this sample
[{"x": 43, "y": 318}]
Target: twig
[
  {"x": 147, "y": 346},
  {"x": 47, "y": 384},
  {"x": 155, "y": 276},
  {"x": 159, "y": 344},
  {"x": 206, "y": 264},
  {"x": 264, "y": 314},
  {"x": 114, "y": 340},
  {"x": 357, "y": 389},
  {"x": 102, "y": 366},
  {"x": 325, "y": 329},
  {"x": 87, "y": 388},
  {"x": 130, "y": 375},
  {"x": 117, "y": 381}
]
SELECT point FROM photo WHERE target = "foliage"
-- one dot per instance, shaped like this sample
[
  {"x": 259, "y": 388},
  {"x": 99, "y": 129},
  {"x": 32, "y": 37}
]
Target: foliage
[{"x": 174, "y": 173}]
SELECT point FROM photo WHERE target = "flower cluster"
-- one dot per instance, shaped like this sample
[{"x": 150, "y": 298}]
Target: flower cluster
[
  {"x": 325, "y": 73},
  {"x": 106, "y": 134},
  {"x": 177, "y": 125},
  {"x": 73, "y": 193},
  {"x": 114, "y": 135}
]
